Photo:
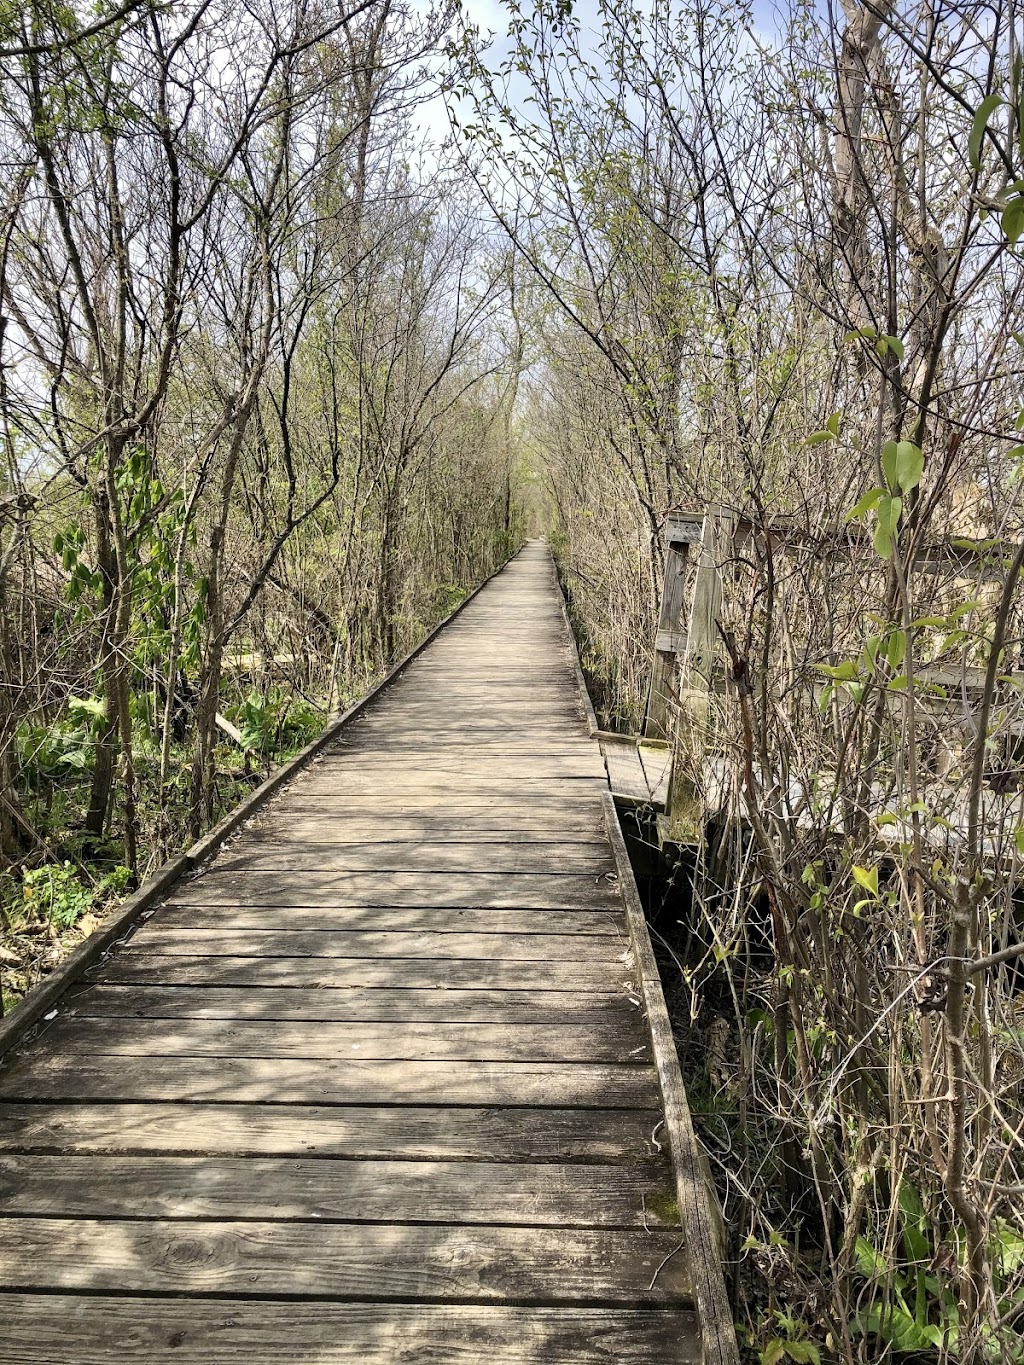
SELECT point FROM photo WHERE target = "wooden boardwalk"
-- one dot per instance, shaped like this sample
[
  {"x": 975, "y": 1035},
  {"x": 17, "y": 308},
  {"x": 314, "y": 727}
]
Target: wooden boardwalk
[{"x": 375, "y": 1086}]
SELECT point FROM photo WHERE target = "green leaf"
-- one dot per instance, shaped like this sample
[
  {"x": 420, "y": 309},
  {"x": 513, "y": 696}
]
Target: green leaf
[
  {"x": 870, "y": 1263},
  {"x": 909, "y": 465},
  {"x": 867, "y": 878},
  {"x": 867, "y": 503},
  {"x": 818, "y": 438},
  {"x": 886, "y": 343},
  {"x": 1018, "y": 839},
  {"x": 803, "y": 1352},
  {"x": 888, "y": 512},
  {"x": 773, "y": 1352},
  {"x": 1012, "y": 219},
  {"x": 985, "y": 110},
  {"x": 844, "y": 672},
  {"x": 889, "y": 463}
]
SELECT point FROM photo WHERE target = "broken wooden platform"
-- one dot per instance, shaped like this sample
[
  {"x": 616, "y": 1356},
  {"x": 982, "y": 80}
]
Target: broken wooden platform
[{"x": 379, "y": 1083}]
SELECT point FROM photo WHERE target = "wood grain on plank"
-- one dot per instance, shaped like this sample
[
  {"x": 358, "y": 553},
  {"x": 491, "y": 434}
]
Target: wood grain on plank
[
  {"x": 134, "y": 965},
  {"x": 622, "y": 1041},
  {"x": 526, "y": 890},
  {"x": 368, "y": 1261},
  {"x": 505, "y": 1194},
  {"x": 387, "y": 918},
  {"x": 593, "y": 1009},
  {"x": 435, "y": 856},
  {"x": 49, "y": 1329},
  {"x": 155, "y": 937},
  {"x": 302, "y": 1081},
  {"x": 422, "y": 1133}
]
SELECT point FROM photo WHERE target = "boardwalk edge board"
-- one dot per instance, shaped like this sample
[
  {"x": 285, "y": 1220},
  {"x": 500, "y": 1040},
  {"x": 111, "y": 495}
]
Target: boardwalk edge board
[
  {"x": 593, "y": 729},
  {"x": 700, "y": 1213},
  {"x": 45, "y": 995}
]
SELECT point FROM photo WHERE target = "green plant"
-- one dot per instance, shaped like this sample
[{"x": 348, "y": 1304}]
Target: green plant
[
  {"x": 791, "y": 1345},
  {"x": 912, "y": 1309},
  {"x": 275, "y": 722},
  {"x": 54, "y": 893}
]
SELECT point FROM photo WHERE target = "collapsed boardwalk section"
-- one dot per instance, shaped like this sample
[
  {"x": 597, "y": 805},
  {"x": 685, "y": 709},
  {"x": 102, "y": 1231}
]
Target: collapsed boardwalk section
[{"x": 375, "y": 1086}]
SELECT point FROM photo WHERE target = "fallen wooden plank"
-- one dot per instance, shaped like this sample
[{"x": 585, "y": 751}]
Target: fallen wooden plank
[
  {"x": 421, "y": 1133},
  {"x": 560, "y": 1085},
  {"x": 621, "y": 1041},
  {"x": 50, "y": 1329},
  {"x": 511, "y": 1195},
  {"x": 340, "y": 1260}
]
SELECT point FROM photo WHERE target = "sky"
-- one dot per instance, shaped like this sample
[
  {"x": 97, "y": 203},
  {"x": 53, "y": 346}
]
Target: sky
[{"x": 492, "y": 18}]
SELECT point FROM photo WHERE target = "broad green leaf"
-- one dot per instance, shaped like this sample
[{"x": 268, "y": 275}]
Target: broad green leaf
[
  {"x": 985, "y": 110},
  {"x": 1012, "y": 219},
  {"x": 844, "y": 672},
  {"x": 870, "y": 1263},
  {"x": 818, "y": 438},
  {"x": 889, "y": 463},
  {"x": 1018, "y": 839},
  {"x": 773, "y": 1352},
  {"x": 888, "y": 512},
  {"x": 867, "y": 877},
  {"x": 803, "y": 1352},
  {"x": 886, "y": 343},
  {"x": 909, "y": 465},
  {"x": 867, "y": 503}
]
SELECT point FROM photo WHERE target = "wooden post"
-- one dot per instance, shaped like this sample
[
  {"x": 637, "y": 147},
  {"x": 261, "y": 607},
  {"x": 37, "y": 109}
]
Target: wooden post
[
  {"x": 684, "y": 822},
  {"x": 680, "y": 533}
]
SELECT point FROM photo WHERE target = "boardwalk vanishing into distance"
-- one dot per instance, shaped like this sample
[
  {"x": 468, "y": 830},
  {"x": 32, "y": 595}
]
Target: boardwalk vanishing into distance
[{"x": 377, "y": 1084}]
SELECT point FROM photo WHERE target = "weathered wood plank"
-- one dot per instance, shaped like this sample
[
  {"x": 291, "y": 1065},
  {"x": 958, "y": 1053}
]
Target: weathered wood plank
[
  {"x": 623, "y": 1041},
  {"x": 154, "y": 937},
  {"x": 541, "y": 890},
  {"x": 386, "y": 918},
  {"x": 596, "y": 1010},
  {"x": 134, "y": 965},
  {"x": 470, "y": 826},
  {"x": 340, "y": 1260},
  {"x": 436, "y": 856},
  {"x": 420, "y": 1133},
  {"x": 300, "y": 1081},
  {"x": 51, "y": 1329},
  {"x": 506, "y": 1194}
]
